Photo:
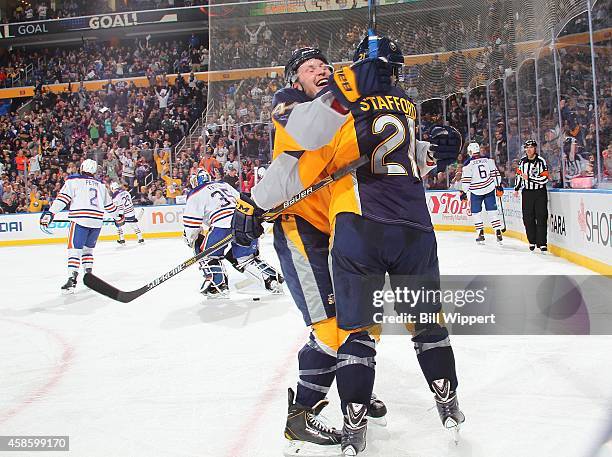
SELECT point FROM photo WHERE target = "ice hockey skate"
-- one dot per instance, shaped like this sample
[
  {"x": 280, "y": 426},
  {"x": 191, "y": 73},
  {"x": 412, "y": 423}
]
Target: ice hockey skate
[
  {"x": 307, "y": 433},
  {"x": 215, "y": 291},
  {"x": 71, "y": 283},
  {"x": 377, "y": 411},
  {"x": 499, "y": 236},
  {"x": 480, "y": 239},
  {"x": 448, "y": 407},
  {"x": 354, "y": 430}
]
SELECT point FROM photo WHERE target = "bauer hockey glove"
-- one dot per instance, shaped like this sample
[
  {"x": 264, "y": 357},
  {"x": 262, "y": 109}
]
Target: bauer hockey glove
[
  {"x": 365, "y": 77},
  {"x": 499, "y": 191},
  {"x": 247, "y": 221},
  {"x": 446, "y": 145},
  {"x": 462, "y": 195},
  {"x": 46, "y": 218}
]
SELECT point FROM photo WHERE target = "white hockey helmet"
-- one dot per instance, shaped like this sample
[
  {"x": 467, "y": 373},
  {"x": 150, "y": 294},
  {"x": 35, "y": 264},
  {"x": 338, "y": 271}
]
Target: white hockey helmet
[
  {"x": 473, "y": 148},
  {"x": 114, "y": 186},
  {"x": 89, "y": 166}
]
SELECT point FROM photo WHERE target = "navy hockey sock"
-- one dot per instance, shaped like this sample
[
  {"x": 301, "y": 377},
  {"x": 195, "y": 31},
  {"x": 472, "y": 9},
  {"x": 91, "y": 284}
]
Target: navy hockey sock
[
  {"x": 317, "y": 372},
  {"x": 355, "y": 369},
  {"x": 435, "y": 355}
]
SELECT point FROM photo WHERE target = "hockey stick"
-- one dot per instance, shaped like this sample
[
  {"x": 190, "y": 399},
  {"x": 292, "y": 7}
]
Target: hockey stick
[
  {"x": 501, "y": 205},
  {"x": 104, "y": 288},
  {"x": 372, "y": 37}
]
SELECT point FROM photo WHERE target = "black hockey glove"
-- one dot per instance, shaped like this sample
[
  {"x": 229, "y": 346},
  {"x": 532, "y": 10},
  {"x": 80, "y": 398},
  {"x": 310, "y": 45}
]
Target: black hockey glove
[
  {"x": 119, "y": 221},
  {"x": 247, "y": 221},
  {"x": 364, "y": 77},
  {"x": 462, "y": 195},
  {"x": 46, "y": 218},
  {"x": 446, "y": 145}
]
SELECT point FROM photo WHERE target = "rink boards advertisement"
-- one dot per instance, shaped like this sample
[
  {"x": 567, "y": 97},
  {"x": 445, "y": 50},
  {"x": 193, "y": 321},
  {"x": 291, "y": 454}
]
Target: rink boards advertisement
[{"x": 579, "y": 224}]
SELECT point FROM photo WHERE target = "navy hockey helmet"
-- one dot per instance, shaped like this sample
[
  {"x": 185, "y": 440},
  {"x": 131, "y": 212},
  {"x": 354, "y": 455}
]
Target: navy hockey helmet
[
  {"x": 529, "y": 143},
  {"x": 298, "y": 57},
  {"x": 200, "y": 177},
  {"x": 387, "y": 49}
]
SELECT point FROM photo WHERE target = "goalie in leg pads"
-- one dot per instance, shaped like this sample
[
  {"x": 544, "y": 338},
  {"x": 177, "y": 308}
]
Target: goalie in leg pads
[{"x": 212, "y": 204}]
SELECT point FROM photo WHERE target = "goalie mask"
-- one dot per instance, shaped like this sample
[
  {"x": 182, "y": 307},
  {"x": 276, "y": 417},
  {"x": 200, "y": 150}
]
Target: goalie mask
[
  {"x": 388, "y": 49},
  {"x": 298, "y": 57},
  {"x": 199, "y": 178}
]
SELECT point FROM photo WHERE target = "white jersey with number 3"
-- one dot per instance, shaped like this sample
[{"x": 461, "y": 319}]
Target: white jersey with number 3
[
  {"x": 213, "y": 204},
  {"x": 87, "y": 199},
  {"x": 480, "y": 176}
]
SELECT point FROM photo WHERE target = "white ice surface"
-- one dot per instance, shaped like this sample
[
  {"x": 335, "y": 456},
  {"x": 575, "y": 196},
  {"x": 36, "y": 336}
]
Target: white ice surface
[{"x": 170, "y": 375}]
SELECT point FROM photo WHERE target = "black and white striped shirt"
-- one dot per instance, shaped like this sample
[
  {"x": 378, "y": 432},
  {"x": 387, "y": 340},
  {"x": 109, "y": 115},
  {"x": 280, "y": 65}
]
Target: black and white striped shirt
[{"x": 531, "y": 174}]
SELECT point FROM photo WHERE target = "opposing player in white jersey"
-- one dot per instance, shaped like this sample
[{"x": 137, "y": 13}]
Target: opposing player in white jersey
[
  {"x": 87, "y": 199},
  {"x": 480, "y": 178},
  {"x": 212, "y": 203},
  {"x": 123, "y": 201}
]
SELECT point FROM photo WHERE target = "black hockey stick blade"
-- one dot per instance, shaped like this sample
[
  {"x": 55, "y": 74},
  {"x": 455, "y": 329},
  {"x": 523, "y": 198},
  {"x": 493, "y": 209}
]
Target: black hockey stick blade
[{"x": 104, "y": 288}]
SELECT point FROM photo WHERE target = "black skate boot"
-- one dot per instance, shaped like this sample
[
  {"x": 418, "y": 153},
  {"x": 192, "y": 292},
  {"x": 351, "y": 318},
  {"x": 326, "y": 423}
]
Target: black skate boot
[
  {"x": 532, "y": 247},
  {"x": 377, "y": 411},
  {"x": 141, "y": 241},
  {"x": 71, "y": 283},
  {"x": 448, "y": 407},
  {"x": 121, "y": 242},
  {"x": 544, "y": 248},
  {"x": 274, "y": 284},
  {"x": 499, "y": 236},
  {"x": 305, "y": 430},
  {"x": 480, "y": 238},
  {"x": 354, "y": 430},
  {"x": 212, "y": 291}
]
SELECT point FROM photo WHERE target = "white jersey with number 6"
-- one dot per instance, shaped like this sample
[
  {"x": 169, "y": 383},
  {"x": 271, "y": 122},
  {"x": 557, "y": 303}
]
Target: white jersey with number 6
[
  {"x": 480, "y": 176},
  {"x": 213, "y": 204},
  {"x": 87, "y": 199}
]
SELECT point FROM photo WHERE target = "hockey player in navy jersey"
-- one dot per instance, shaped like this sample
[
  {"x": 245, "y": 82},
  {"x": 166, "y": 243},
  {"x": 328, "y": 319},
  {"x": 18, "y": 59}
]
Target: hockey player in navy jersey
[
  {"x": 480, "y": 177},
  {"x": 87, "y": 199},
  {"x": 212, "y": 203},
  {"x": 380, "y": 223},
  {"x": 123, "y": 201}
]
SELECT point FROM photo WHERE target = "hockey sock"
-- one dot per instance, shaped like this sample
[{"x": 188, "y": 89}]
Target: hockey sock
[
  {"x": 435, "y": 355},
  {"x": 494, "y": 218},
  {"x": 477, "y": 218},
  {"x": 120, "y": 231},
  {"x": 136, "y": 230},
  {"x": 355, "y": 369},
  {"x": 87, "y": 257},
  {"x": 317, "y": 372},
  {"x": 74, "y": 260}
]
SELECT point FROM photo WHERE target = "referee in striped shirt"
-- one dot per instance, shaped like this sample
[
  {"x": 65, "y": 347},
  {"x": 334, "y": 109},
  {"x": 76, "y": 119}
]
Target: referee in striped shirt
[{"x": 531, "y": 177}]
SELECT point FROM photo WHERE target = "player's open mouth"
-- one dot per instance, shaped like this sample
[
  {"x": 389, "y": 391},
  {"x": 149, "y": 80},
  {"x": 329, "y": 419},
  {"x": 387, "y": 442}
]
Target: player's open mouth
[{"x": 322, "y": 82}]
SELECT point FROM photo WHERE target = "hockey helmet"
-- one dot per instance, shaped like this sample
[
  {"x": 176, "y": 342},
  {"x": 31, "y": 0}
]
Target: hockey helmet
[
  {"x": 473, "y": 149},
  {"x": 530, "y": 143},
  {"x": 114, "y": 186},
  {"x": 200, "y": 177},
  {"x": 298, "y": 57},
  {"x": 89, "y": 166},
  {"x": 388, "y": 49}
]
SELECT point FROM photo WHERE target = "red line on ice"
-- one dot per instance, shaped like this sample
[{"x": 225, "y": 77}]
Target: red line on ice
[
  {"x": 252, "y": 423},
  {"x": 56, "y": 374}
]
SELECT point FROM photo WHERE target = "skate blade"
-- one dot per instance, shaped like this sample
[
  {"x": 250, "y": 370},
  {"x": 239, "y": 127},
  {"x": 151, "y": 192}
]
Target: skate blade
[
  {"x": 68, "y": 291},
  {"x": 305, "y": 449},
  {"x": 380, "y": 421},
  {"x": 480, "y": 243}
]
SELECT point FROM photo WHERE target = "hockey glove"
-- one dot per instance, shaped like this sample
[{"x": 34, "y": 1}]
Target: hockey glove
[
  {"x": 247, "y": 221},
  {"x": 46, "y": 218},
  {"x": 120, "y": 221},
  {"x": 462, "y": 196},
  {"x": 446, "y": 145},
  {"x": 365, "y": 77},
  {"x": 499, "y": 191},
  {"x": 188, "y": 241}
]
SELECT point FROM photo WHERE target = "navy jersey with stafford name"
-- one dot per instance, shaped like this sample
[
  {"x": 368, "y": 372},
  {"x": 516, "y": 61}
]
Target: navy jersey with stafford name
[{"x": 390, "y": 188}]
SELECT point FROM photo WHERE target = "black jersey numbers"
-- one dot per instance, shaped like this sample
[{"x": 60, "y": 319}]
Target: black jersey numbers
[{"x": 401, "y": 139}]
